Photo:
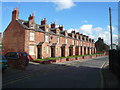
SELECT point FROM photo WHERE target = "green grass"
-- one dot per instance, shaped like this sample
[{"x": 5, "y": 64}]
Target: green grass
[{"x": 55, "y": 58}]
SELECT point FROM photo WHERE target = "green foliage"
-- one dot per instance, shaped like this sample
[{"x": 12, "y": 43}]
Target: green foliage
[{"x": 55, "y": 58}]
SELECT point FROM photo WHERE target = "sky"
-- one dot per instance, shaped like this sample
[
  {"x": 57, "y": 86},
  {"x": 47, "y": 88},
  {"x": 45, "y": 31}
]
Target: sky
[{"x": 89, "y": 18}]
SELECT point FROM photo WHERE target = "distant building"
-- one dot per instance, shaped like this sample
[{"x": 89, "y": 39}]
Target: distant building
[
  {"x": 114, "y": 46},
  {"x": 101, "y": 47},
  {"x": 43, "y": 40}
]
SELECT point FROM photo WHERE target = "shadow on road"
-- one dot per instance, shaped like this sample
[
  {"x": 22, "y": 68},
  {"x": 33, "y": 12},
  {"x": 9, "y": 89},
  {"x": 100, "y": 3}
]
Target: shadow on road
[{"x": 53, "y": 76}]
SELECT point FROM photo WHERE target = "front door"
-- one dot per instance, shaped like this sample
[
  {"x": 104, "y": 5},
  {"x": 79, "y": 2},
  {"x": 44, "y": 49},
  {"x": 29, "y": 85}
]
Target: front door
[
  {"x": 70, "y": 51},
  {"x": 77, "y": 51},
  {"x": 39, "y": 52},
  {"x": 63, "y": 52},
  {"x": 84, "y": 50},
  {"x": 81, "y": 51},
  {"x": 88, "y": 50},
  {"x": 52, "y": 51}
]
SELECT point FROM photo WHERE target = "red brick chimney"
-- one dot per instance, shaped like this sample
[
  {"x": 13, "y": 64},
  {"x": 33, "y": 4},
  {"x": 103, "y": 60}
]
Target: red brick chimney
[
  {"x": 61, "y": 27},
  {"x": 80, "y": 36},
  {"x": 90, "y": 40},
  {"x": 73, "y": 34},
  {"x": 15, "y": 14},
  {"x": 84, "y": 36},
  {"x": 53, "y": 25},
  {"x": 31, "y": 18},
  {"x": 65, "y": 33},
  {"x": 43, "y": 21},
  {"x": 77, "y": 35},
  {"x": 87, "y": 38}
]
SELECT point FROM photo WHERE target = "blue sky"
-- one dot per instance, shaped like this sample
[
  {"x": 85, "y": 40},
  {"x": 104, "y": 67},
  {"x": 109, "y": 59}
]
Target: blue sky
[{"x": 90, "y": 18}]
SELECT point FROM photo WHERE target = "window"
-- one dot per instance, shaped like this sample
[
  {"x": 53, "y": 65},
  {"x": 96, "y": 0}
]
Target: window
[
  {"x": 31, "y": 50},
  {"x": 77, "y": 42},
  {"x": 11, "y": 54},
  {"x": 66, "y": 41},
  {"x": 66, "y": 34},
  {"x": 57, "y": 32},
  {"x": 47, "y": 49},
  {"x": 32, "y": 36},
  {"x": 58, "y": 39},
  {"x": 46, "y": 38},
  {"x": 80, "y": 43},
  {"x": 32, "y": 26},
  {"x": 72, "y": 42},
  {"x": 47, "y": 29}
]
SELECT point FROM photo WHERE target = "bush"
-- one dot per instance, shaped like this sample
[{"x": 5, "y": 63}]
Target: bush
[{"x": 50, "y": 58}]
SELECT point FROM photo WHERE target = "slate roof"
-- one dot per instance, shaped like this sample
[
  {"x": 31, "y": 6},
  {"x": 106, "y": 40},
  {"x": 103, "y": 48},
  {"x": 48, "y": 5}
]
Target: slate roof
[
  {"x": 40, "y": 43},
  {"x": 54, "y": 44},
  {"x": 24, "y": 23},
  {"x": 71, "y": 45},
  {"x": 77, "y": 46},
  {"x": 63, "y": 45}
]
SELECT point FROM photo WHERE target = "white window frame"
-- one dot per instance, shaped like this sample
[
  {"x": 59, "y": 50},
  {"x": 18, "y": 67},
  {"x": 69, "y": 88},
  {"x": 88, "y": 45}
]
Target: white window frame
[
  {"x": 46, "y": 38},
  {"x": 47, "y": 29},
  {"x": 32, "y": 36},
  {"x": 47, "y": 49},
  {"x": 31, "y": 50},
  {"x": 66, "y": 41},
  {"x": 77, "y": 42},
  {"x": 32, "y": 26},
  {"x": 72, "y": 42},
  {"x": 58, "y": 39},
  {"x": 66, "y": 34}
]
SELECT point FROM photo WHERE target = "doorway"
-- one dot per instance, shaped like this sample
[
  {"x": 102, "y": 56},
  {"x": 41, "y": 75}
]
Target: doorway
[
  {"x": 70, "y": 51},
  {"x": 52, "y": 51},
  {"x": 63, "y": 52},
  {"x": 39, "y": 52},
  {"x": 88, "y": 50},
  {"x": 80, "y": 50},
  {"x": 84, "y": 50},
  {"x": 77, "y": 51}
]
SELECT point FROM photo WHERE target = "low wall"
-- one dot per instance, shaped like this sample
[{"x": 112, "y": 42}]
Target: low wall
[
  {"x": 114, "y": 62},
  {"x": 71, "y": 59}
]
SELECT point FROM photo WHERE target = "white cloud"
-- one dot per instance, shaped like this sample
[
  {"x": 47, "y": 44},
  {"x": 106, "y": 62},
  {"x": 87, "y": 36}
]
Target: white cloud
[
  {"x": 108, "y": 28},
  {"x": 106, "y": 36},
  {"x": 98, "y": 30},
  {"x": 94, "y": 33},
  {"x": 91, "y": 36},
  {"x": 86, "y": 29},
  {"x": 64, "y": 4},
  {"x": 115, "y": 38}
]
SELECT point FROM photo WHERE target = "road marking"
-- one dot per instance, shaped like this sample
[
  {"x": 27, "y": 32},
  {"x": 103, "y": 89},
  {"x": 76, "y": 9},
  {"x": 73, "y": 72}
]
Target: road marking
[
  {"x": 101, "y": 75},
  {"x": 17, "y": 79}
]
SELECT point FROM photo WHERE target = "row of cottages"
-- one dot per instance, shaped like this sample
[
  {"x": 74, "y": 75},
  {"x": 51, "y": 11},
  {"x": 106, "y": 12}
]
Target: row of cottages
[{"x": 41, "y": 41}]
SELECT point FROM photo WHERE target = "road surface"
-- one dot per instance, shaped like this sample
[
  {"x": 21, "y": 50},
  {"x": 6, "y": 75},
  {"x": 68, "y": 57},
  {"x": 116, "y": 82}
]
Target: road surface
[{"x": 70, "y": 74}]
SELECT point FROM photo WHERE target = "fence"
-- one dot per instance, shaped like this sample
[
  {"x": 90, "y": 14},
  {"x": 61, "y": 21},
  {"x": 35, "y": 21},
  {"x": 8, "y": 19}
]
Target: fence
[{"x": 114, "y": 62}]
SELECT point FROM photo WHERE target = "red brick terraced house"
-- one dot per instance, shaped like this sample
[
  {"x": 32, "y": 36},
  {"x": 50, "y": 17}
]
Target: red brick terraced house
[{"x": 41, "y": 41}]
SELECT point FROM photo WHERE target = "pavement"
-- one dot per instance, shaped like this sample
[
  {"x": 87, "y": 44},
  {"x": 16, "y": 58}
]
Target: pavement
[{"x": 110, "y": 80}]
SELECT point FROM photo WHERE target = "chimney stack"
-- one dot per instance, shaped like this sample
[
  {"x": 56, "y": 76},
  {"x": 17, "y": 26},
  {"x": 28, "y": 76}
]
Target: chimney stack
[
  {"x": 31, "y": 18},
  {"x": 61, "y": 27},
  {"x": 15, "y": 14},
  {"x": 43, "y": 21},
  {"x": 53, "y": 25}
]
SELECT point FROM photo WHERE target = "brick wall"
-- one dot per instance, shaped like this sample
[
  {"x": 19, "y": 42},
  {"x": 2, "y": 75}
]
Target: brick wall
[{"x": 14, "y": 38}]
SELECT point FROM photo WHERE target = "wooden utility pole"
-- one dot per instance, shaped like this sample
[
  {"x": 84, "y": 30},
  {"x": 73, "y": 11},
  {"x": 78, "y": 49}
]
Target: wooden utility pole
[{"x": 110, "y": 26}]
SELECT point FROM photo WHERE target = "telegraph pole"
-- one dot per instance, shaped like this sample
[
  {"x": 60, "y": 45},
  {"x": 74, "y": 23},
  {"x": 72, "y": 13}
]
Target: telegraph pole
[{"x": 110, "y": 15}]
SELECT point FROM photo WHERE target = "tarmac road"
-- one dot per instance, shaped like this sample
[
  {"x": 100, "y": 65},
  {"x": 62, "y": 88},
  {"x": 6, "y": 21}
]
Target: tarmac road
[{"x": 70, "y": 74}]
